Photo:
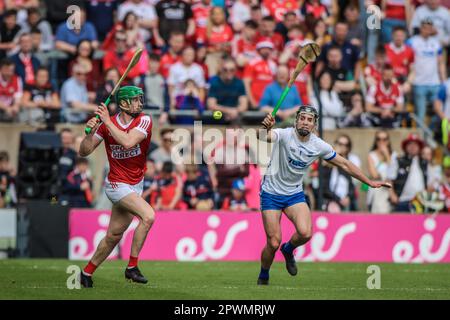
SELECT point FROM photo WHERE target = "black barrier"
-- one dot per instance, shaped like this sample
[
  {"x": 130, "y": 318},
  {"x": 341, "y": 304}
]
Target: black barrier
[
  {"x": 42, "y": 230},
  {"x": 38, "y": 176}
]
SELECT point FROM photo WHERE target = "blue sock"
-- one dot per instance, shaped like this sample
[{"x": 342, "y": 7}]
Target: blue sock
[
  {"x": 264, "y": 273},
  {"x": 288, "y": 247}
]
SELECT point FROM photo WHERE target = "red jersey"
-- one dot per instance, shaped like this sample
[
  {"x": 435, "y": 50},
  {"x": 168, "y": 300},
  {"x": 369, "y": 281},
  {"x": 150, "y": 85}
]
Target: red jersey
[
  {"x": 10, "y": 90},
  {"x": 167, "y": 60},
  {"x": 317, "y": 10},
  {"x": 261, "y": 73},
  {"x": 127, "y": 165},
  {"x": 111, "y": 59},
  {"x": 201, "y": 14},
  {"x": 400, "y": 58},
  {"x": 242, "y": 46},
  {"x": 301, "y": 82},
  {"x": 218, "y": 35},
  {"x": 383, "y": 97},
  {"x": 395, "y": 9},
  {"x": 276, "y": 38},
  {"x": 373, "y": 72},
  {"x": 277, "y": 8}
]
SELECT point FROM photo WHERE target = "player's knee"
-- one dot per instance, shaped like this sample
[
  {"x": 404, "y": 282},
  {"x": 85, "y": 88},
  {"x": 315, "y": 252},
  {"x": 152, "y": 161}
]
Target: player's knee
[
  {"x": 274, "y": 243},
  {"x": 305, "y": 234},
  {"x": 147, "y": 220}
]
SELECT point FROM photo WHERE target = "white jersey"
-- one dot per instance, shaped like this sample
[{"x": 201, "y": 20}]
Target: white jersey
[{"x": 290, "y": 160}]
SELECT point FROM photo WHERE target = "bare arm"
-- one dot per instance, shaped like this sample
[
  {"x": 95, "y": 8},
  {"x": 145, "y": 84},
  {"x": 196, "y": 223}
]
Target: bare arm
[
  {"x": 78, "y": 105},
  {"x": 247, "y": 83},
  {"x": 64, "y": 46},
  {"x": 356, "y": 172},
  {"x": 90, "y": 142}
]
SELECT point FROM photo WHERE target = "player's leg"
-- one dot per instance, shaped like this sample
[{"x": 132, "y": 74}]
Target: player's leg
[
  {"x": 119, "y": 222},
  {"x": 272, "y": 228},
  {"x": 137, "y": 206},
  {"x": 300, "y": 216}
]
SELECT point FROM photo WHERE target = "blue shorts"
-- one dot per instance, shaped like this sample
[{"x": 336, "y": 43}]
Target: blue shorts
[{"x": 279, "y": 202}]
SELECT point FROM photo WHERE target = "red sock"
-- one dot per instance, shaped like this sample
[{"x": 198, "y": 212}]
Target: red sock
[
  {"x": 89, "y": 269},
  {"x": 133, "y": 262}
]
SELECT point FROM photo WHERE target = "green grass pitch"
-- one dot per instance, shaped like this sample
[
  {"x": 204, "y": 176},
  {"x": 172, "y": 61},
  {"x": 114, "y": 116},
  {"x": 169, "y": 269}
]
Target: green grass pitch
[{"x": 46, "y": 279}]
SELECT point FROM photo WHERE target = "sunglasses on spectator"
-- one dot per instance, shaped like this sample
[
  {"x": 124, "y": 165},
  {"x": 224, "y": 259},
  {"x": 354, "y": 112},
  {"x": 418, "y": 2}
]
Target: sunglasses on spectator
[
  {"x": 121, "y": 39},
  {"x": 382, "y": 138},
  {"x": 229, "y": 69},
  {"x": 80, "y": 73},
  {"x": 344, "y": 144}
]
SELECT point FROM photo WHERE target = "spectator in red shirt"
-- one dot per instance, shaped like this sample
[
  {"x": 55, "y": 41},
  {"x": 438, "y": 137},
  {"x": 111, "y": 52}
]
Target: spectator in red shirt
[
  {"x": 10, "y": 91},
  {"x": 259, "y": 72},
  {"x": 289, "y": 56},
  {"x": 401, "y": 57},
  {"x": 201, "y": 11},
  {"x": 84, "y": 56},
  {"x": 372, "y": 72},
  {"x": 169, "y": 188},
  {"x": 385, "y": 100},
  {"x": 173, "y": 54},
  {"x": 267, "y": 32},
  {"x": 313, "y": 10},
  {"x": 120, "y": 57},
  {"x": 244, "y": 45},
  {"x": 216, "y": 37},
  {"x": 277, "y": 8}
]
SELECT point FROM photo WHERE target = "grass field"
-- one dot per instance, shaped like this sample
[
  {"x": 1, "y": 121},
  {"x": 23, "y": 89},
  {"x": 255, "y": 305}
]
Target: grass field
[{"x": 46, "y": 279}]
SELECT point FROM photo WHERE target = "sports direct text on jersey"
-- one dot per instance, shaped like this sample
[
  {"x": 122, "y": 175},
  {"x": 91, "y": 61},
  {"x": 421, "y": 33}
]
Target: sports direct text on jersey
[{"x": 119, "y": 152}]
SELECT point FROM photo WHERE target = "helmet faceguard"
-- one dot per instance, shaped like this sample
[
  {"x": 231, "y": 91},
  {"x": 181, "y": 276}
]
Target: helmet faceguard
[
  {"x": 129, "y": 95},
  {"x": 305, "y": 109}
]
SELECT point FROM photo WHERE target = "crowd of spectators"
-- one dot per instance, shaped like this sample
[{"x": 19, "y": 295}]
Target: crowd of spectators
[{"x": 234, "y": 56}]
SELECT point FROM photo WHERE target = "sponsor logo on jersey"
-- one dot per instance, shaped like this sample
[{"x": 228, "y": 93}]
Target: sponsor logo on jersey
[
  {"x": 297, "y": 163},
  {"x": 119, "y": 152}
]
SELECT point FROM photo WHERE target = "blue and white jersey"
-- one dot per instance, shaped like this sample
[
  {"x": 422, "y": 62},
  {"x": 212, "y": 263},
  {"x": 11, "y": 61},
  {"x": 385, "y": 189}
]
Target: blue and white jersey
[
  {"x": 290, "y": 160},
  {"x": 426, "y": 53}
]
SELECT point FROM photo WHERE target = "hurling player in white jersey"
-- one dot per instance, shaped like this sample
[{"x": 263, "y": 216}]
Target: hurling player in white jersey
[{"x": 294, "y": 150}]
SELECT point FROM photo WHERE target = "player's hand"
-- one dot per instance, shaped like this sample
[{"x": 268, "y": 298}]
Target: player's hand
[
  {"x": 93, "y": 123},
  {"x": 268, "y": 122},
  {"x": 379, "y": 184},
  {"x": 103, "y": 113}
]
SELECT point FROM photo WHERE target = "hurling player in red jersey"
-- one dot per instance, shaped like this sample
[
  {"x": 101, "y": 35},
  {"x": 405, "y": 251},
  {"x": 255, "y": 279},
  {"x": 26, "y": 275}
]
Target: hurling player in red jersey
[{"x": 127, "y": 138}]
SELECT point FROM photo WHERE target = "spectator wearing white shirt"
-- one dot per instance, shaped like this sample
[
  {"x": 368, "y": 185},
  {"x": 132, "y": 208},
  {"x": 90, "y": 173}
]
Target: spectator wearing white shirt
[
  {"x": 429, "y": 67},
  {"x": 379, "y": 160},
  {"x": 332, "y": 106},
  {"x": 147, "y": 18},
  {"x": 432, "y": 10},
  {"x": 182, "y": 71},
  {"x": 409, "y": 174},
  {"x": 240, "y": 13}
]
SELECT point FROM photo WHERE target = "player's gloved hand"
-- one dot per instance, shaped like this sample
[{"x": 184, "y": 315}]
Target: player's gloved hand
[{"x": 268, "y": 122}]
